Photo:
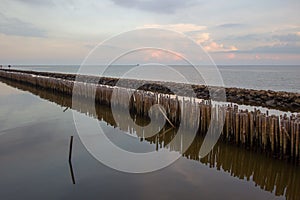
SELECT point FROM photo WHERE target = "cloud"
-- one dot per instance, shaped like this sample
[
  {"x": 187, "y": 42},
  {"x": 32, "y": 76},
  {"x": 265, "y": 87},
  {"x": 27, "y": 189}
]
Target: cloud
[
  {"x": 292, "y": 37},
  {"x": 194, "y": 31},
  {"x": 278, "y": 49},
  {"x": 214, "y": 47},
  {"x": 282, "y": 48},
  {"x": 14, "y": 26},
  {"x": 266, "y": 38},
  {"x": 157, "y": 6},
  {"x": 20, "y": 50},
  {"x": 268, "y": 43},
  {"x": 159, "y": 56},
  {"x": 261, "y": 37},
  {"x": 231, "y": 56},
  {"x": 210, "y": 45},
  {"x": 36, "y": 2},
  {"x": 230, "y": 25},
  {"x": 201, "y": 37},
  {"x": 183, "y": 28}
]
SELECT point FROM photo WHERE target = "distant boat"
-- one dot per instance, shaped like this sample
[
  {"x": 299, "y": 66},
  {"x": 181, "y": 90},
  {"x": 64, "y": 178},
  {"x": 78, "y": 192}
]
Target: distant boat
[{"x": 138, "y": 64}]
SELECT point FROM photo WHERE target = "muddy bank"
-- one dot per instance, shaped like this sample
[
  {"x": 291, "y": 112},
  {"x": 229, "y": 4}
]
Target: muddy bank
[{"x": 285, "y": 101}]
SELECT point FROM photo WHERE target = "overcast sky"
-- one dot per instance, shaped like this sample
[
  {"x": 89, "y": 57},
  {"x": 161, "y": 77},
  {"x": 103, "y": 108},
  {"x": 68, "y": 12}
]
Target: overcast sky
[{"x": 232, "y": 32}]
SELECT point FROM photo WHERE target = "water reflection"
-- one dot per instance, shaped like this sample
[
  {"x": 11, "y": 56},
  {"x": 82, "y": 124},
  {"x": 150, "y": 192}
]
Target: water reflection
[
  {"x": 70, "y": 159},
  {"x": 269, "y": 174}
]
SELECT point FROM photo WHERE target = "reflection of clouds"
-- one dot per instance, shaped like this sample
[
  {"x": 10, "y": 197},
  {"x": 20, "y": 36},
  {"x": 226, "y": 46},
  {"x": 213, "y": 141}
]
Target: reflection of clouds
[
  {"x": 19, "y": 109},
  {"x": 189, "y": 179},
  {"x": 5, "y": 90}
]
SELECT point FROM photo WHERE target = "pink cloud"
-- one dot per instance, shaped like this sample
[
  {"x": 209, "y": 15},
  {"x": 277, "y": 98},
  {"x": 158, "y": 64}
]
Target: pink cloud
[
  {"x": 231, "y": 56},
  {"x": 210, "y": 45},
  {"x": 160, "y": 55}
]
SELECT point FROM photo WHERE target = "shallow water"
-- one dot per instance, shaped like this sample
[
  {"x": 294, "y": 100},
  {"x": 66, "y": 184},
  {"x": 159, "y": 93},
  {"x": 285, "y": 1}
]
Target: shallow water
[{"x": 34, "y": 144}]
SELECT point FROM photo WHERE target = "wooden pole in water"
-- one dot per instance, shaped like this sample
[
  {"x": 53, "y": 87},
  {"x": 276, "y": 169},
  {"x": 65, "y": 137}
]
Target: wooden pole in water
[
  {"x": 247, "y": 127},
  {"x": 227, "y": 123},
  {"x": 251, "y": 121},
  {"x": 244, "y": 128},
  {"x": 292, "y": 135},
  {"x": 281, "y": 135},
  {"x": 264, "y": 132},
  {"x": 237, "y": 127},
  {"x": 70, "y": 160},
  {"x": 70, "y": 149},
  {"x": 276, "y": 132},
  {"x": 272, "y": 133},
  {"x": 297, "y": 140},
  {"x": 257, "y": 125},
  {"x": 284, "y": 137}
]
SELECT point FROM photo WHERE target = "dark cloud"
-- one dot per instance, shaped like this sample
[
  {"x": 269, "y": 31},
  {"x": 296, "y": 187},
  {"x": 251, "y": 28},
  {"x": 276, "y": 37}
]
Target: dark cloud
[
  {"x": 14, "y": 26},
  {"x": 231, "y": 25},
  {"x": 280, "y": 49},
  {"x": 281, "y": 43},
  {"x": 287, "y": 38},
  {"x": 158, "y": 6},
  {"x": 266, "y": 37},
  {"x": 274, "y": 49},
  {"x": 290, "y": 38},
  {"x": 36, "y": 2}
]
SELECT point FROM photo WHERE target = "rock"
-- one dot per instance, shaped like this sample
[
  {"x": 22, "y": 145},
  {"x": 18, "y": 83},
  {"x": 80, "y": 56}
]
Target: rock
[
  {"x": 295, "y": 105},
  {"x": 271, "y": 103}
]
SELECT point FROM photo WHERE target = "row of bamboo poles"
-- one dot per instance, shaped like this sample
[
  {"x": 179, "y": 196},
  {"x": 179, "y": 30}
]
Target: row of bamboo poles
[
  {"x": 270, "y": 175},
  {"x": 278, "y": 135}
]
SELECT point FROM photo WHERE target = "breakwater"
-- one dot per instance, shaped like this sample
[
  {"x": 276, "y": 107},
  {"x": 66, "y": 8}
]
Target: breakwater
[
  {"x": 272, "y": 134},
  {"x": 279, "y": 100},
  {"x": 271, "y": 175}
]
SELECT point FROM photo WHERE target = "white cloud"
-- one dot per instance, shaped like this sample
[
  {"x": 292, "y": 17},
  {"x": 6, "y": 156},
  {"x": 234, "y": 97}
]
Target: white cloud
[{"x": 201, "y": 37}]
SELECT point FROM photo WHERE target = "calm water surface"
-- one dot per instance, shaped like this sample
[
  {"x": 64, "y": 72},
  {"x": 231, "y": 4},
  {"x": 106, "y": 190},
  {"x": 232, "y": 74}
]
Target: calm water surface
[{"x": 34, "y": 142}]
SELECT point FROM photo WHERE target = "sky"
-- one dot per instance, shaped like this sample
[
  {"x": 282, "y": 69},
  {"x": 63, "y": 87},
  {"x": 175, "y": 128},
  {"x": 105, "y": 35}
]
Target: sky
[{"x": 231, "y": 32}]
